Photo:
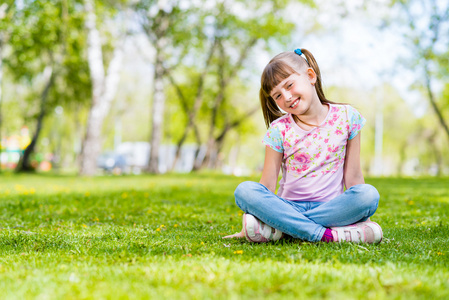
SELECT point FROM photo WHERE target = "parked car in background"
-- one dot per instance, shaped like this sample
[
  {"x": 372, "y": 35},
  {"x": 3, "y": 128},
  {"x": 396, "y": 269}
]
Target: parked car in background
[{"x": 113, "y": 163}]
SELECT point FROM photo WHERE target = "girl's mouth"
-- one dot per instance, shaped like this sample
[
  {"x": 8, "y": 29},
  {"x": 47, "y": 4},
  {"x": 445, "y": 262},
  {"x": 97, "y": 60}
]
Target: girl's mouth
[{"x": 294, "y": 104}]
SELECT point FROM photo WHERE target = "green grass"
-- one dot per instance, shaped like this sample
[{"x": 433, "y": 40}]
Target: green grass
[{"x": 160, "y": 238}]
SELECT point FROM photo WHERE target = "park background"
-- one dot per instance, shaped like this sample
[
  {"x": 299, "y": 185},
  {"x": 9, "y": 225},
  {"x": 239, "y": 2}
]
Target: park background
[
  {"x": 87, "y": 88},
  {"x": 99, "y": 84}
]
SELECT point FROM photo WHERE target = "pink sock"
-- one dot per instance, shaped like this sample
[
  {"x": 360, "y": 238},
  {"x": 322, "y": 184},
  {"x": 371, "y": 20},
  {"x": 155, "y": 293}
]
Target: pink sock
[{"x": 327, "y": 236}]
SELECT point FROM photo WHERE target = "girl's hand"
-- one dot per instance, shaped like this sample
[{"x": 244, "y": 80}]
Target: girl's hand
[{"x": 237, "y": 235}]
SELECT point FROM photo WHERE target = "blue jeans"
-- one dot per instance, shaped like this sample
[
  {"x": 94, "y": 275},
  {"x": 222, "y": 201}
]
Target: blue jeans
[{"x": 304, "y": 219}]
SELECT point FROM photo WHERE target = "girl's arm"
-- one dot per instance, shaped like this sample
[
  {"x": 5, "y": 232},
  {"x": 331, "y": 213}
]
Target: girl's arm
[
  {"x": 270, "y": 173},
  {"x": 352, "y": 173},
  {"x": 271, "y": 167}
]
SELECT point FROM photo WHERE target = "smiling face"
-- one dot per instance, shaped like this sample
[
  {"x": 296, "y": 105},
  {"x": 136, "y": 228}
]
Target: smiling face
[
  {"x": 296, "y": 93},
  {"x": 279, "y": 70}
]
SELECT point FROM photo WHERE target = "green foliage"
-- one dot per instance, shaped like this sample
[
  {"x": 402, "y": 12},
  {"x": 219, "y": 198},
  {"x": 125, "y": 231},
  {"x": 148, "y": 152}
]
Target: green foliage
[
  {"x": 406, "y": 137},
  {"x": 33, "y": 36},
  {"x": 160, "y": 237},
  {"x": 6, "y": 13},
  {"x": 45, "y": 33},
  {"x": 235, "y": 35},
  {"x": 425, "y": 27}
]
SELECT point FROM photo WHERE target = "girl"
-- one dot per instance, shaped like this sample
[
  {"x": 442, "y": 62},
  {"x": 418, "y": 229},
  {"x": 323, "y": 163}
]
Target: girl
[{"x": 317, "y": 144}]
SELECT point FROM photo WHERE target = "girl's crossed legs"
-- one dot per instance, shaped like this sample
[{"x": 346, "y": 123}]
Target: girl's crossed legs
[{"x": 303, "y": 219}]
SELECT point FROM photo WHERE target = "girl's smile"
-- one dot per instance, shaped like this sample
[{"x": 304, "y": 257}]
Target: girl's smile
[{"x": 294, "y": 104}]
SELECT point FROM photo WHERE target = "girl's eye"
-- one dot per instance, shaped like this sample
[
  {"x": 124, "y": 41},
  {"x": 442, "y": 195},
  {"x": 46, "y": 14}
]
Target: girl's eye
[{"x": 290, "y": 85}]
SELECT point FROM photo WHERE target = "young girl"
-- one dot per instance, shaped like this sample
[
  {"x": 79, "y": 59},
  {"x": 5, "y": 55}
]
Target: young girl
[{"x": 317, "y": 145}]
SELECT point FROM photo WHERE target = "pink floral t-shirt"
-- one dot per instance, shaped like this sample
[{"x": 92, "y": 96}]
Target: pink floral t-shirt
[{"x": 312, "y": 166}]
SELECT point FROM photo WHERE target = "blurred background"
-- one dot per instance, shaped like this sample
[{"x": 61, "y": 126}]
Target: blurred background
[{"x": 128, "y": 87}]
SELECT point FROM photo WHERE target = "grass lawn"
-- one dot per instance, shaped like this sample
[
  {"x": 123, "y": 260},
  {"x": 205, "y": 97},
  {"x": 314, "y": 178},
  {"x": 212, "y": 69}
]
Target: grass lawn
[{"x": 159, "y": 237}]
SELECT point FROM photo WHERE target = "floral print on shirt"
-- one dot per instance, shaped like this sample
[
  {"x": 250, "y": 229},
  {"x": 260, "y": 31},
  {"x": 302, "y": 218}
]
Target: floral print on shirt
[{"x": 319, "y": 151}]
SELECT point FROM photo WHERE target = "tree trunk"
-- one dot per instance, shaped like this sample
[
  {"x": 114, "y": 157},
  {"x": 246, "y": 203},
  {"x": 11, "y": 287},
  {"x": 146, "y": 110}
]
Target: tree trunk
[
  {"x": 220, "y": 139},
  {"x": 157, "y": 111},
  {"x": 24, "y": 164},
  {"x": 103, "y": 92},
  {"x": 196, "y": 166},
  {"x": 191, "y": 115}
]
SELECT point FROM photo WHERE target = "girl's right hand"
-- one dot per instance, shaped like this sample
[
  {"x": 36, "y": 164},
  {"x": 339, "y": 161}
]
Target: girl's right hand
[{"x": 237, "y": 235}]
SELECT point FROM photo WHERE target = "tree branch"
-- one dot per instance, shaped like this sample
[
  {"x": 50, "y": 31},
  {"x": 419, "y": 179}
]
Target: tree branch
[{"x": 433, "y": 102}]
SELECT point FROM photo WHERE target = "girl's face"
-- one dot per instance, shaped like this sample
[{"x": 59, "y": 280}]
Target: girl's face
[{"x": 296, "y": 93}]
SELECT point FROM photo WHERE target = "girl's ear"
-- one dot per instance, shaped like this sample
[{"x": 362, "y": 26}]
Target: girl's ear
[{"x": 311, "y": 75}]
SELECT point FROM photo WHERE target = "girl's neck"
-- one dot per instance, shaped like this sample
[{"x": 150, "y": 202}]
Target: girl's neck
[{"x": 313, "y": 117}]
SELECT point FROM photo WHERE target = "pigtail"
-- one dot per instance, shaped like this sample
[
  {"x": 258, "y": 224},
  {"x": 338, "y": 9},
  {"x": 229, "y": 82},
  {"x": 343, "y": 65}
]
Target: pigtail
[{"x": 314, "y": 65}]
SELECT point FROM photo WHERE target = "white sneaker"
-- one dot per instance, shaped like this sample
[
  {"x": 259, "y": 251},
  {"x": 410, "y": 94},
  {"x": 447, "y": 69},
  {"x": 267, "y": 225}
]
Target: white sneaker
[
  {"x": 258, "y": 232},
  {"x": 363, "y": 232}
]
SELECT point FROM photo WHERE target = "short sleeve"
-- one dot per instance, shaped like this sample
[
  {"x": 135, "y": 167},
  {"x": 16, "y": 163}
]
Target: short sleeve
[
  {"x": 273, "y": 139},
  {"x": 356, "y": 122}
]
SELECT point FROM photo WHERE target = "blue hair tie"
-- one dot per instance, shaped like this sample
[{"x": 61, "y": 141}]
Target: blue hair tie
[{"x": 299, "y": 52}]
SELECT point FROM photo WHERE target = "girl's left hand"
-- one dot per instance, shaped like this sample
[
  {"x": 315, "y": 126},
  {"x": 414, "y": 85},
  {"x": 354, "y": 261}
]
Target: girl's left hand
[{"x": 237, "y": 235}]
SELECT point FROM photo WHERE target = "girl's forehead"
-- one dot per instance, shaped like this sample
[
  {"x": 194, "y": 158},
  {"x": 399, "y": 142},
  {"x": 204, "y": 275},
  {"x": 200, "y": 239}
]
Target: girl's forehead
[{"x": 283, "y": 82}]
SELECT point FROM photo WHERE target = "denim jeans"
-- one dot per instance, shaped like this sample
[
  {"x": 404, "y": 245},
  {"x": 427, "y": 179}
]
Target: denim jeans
[{"x": 307, "y": 220}]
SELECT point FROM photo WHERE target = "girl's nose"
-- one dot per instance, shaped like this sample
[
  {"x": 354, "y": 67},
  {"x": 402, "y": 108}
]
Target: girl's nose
[{"x": 287, "y": 95}]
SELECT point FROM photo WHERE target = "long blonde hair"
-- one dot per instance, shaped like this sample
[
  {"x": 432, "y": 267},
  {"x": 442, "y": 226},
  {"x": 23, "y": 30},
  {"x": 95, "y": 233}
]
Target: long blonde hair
[{"x": 280, "y": 67}]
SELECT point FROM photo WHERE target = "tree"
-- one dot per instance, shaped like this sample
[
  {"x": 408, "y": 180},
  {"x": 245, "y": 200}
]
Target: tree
[
  {"x": 192, "y": 111},
  {"x": 229, "y": 39},
  {"x": 41, "y": 55},
  {"x": 157, "y": 33},
  {"x": 104, "y": 87},
  {"x": 166, "y": 26},
  {"x": 427, "y": 25},
  {"x": 215, "y": 141}
]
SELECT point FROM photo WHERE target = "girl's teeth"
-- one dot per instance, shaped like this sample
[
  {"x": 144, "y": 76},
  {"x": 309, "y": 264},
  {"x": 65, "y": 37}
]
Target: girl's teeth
[{"x": 294, "y": 104}]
